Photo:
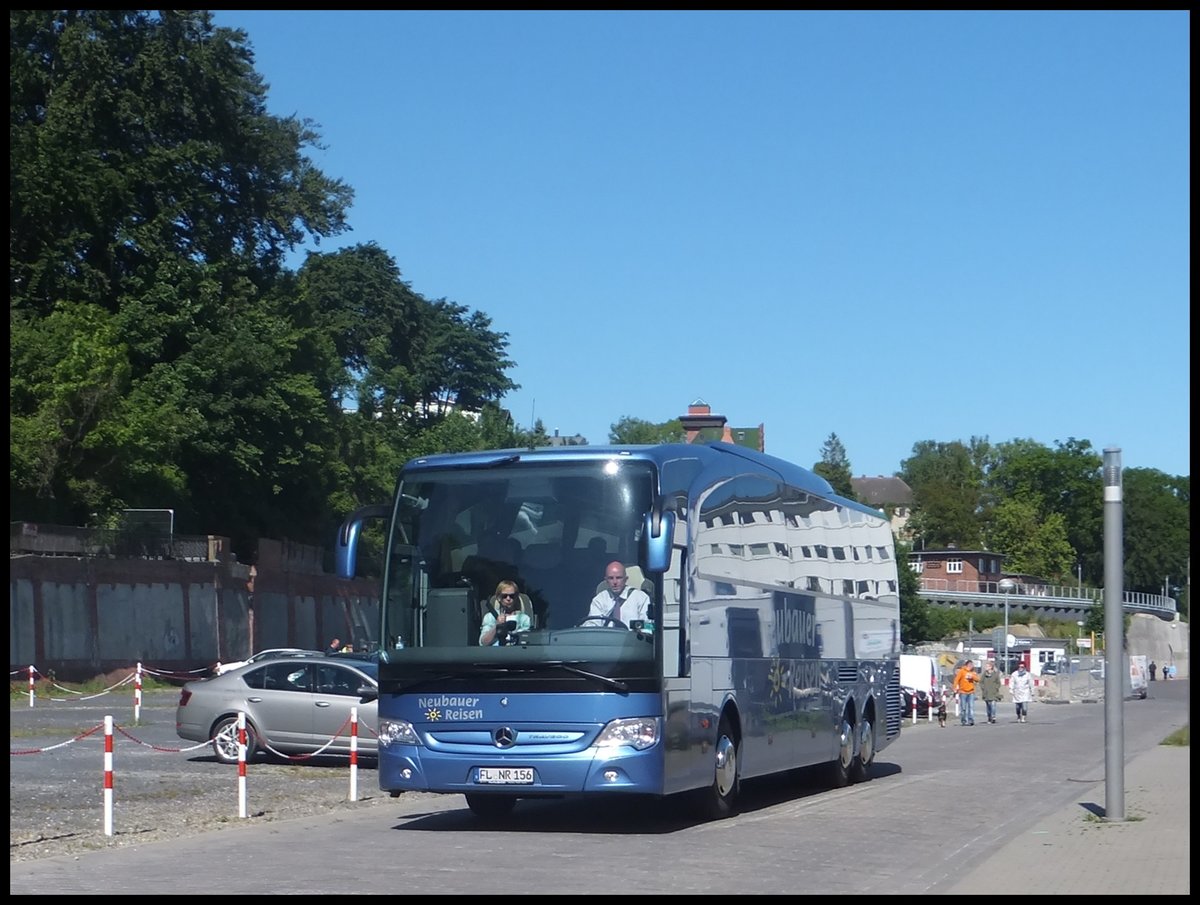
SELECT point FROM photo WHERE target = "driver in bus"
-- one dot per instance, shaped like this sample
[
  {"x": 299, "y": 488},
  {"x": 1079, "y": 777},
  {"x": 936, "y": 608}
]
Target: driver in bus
[
  {"x": 617, "y": 604},
  {"x": 504, "y": 617}
]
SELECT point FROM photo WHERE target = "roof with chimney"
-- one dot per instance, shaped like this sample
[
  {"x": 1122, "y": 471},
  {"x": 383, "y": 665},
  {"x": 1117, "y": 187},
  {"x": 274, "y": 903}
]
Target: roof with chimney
[{"x": 700, "y": 425}]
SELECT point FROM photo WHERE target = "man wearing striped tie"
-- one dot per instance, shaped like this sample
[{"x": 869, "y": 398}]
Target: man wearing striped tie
[{"x": 617, "y": 604}]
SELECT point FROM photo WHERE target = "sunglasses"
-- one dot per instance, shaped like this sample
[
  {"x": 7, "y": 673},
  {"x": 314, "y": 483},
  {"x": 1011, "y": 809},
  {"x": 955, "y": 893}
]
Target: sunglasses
[{"x": 508, "y": 596}]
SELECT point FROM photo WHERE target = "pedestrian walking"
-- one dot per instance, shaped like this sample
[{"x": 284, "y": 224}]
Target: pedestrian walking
[
  {"x": 1020, "y": 685},
  {"x": 990, "y": 688},
  {"x": 965, "y": 681},
  {"x": 1153, "y": 667}
]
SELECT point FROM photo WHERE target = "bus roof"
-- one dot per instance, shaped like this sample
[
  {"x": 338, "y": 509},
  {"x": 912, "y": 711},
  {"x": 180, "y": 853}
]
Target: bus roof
[{"x": 708, "y": 454}]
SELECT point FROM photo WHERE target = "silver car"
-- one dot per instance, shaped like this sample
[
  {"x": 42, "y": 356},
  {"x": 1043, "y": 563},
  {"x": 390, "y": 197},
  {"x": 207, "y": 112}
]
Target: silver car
[
  {"x": 293, "y": 705},
  {"x": 271, "y": 653}
]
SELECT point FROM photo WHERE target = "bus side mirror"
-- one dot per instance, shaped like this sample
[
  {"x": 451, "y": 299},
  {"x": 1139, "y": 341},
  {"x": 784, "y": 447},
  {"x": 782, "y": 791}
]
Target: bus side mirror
[
  {"x": 659, "y": 532},
  {"x": 346, "y": 553}
]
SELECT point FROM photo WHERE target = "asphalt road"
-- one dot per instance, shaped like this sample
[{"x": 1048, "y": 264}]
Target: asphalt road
[{"x": 941, "y": 801}]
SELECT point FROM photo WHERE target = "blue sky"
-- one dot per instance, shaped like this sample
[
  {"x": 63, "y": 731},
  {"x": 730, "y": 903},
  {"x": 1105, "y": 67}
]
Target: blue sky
[{"x": 895, "y": 227}]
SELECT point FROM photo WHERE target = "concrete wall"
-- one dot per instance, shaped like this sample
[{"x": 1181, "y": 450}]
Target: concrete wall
[
  {"x": 81, "y": 617},
  {"x": 1160, "y": 641}
]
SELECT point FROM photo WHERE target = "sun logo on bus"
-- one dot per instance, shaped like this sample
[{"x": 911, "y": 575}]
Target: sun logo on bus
[
  {"x": 433, "y": 715},
  {"x": 778, "y": 679}
]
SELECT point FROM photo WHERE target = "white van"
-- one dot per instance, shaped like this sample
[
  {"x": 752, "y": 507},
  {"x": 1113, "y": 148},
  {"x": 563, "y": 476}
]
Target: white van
[
  {"x": 918, "y": 672},
  {"x": 919, "y": 683}
]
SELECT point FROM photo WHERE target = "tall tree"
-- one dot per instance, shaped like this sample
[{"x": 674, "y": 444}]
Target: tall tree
[
  {"x": 1033, "y": 542},
  {"x": 834, "y": 467},
  {"x": 151, "y": 201},
  {"x": 915, "y": 624},
  {"x": 407, "y": 376},
  {"x": 947, "y": 484},
  {"x": 1064, "y": 481},
  {"x": 1157, "y": 532},
  {"x": 141, "y": 140}
]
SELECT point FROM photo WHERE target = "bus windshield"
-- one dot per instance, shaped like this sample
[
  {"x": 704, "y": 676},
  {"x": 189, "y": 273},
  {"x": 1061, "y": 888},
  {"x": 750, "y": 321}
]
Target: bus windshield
[{"x": 460, "y": 535}]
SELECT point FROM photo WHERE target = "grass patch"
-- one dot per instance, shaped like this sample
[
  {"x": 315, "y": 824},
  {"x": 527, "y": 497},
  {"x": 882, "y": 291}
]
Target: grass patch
[
  {"x": 50, "y": 687},
  {"x": 1180, "y": 737}
]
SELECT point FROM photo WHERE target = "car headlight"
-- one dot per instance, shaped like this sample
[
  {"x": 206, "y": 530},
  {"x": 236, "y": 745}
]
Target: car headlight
[
  {"x": 396, "y": 732},
  {"x": 640, "y": 733}
]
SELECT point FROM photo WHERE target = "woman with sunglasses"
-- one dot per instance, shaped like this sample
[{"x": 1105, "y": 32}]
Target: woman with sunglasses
[{"x": 504, "y": 617}]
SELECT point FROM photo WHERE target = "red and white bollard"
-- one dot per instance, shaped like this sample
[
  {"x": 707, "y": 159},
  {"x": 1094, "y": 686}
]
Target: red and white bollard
[
  {"x": 354, "y": 754},
  {"x": 31, "y": 694},
  {"x": 241, "y": 737},
  {"x": 108, "y": 776},
  {"x": 137, "y": 695}
]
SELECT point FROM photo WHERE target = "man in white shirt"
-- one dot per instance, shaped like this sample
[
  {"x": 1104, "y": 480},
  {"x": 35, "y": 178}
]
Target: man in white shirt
[{"x": 616, "y": 604}]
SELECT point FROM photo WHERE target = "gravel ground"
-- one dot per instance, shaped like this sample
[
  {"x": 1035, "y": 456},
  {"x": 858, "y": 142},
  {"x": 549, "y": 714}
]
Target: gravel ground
[{"x": 163, "y": 787}]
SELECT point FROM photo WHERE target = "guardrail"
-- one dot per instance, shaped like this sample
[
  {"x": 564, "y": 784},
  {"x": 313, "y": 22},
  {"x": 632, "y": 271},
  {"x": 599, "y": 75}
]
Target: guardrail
[{"x": 1044, "y": 597}]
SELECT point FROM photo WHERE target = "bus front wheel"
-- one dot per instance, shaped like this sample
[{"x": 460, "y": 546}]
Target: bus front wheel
[
  {"x": 491, "y": 807},
  {"x": 720, "y": 800}
]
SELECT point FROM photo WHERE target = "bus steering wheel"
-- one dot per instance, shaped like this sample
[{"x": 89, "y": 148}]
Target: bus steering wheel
[{"x": 604, "y": 620}]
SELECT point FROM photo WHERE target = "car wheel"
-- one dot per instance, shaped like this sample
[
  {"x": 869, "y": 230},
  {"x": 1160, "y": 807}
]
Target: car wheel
[{"x": 225, "y": 740}]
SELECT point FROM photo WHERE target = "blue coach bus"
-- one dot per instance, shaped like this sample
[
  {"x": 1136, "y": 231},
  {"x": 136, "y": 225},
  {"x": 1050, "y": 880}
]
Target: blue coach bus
[{"x": 771, "y": 642}]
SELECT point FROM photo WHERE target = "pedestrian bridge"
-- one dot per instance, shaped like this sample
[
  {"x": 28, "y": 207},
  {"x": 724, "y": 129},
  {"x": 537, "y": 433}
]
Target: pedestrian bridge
[{"x": 1072, "y": 602}]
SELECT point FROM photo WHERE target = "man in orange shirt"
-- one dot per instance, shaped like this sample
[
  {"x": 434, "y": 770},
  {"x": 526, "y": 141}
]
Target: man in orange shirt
[{"x": 964, "y": 686}]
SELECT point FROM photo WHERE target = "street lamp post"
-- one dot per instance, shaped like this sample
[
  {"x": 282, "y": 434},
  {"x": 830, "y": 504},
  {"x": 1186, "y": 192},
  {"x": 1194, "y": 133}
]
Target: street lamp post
[{"x": 1007, "y": 586}]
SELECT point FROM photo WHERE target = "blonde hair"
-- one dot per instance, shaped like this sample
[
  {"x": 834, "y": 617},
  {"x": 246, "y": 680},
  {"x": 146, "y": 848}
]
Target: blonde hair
[{"x": 507, "y": 587}]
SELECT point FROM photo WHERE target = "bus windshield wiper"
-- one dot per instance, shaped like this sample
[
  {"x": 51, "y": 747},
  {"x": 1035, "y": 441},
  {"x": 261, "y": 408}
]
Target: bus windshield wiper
[
  {"x": 480, "y": 669},
  {"x": 604, "y": 680}
]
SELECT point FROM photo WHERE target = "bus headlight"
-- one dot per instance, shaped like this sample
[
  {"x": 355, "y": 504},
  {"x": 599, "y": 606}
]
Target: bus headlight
[
  {"x": 396, "y": 732},
  {"x": 640, "y": 733}
]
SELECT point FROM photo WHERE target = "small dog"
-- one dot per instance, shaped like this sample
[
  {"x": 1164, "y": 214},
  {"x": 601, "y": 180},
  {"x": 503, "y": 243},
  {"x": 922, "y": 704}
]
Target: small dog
[{"x": 941, "y": 714}]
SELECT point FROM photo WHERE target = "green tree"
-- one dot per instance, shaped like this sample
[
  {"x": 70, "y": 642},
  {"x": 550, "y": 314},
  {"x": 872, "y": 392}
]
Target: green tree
[
  {"x": 916, "y": 625},
  {"x": 947, "y": 485},
  {"x": 1065, "y": 481},
  {"x": 531, "y": 439},
  {"x": 834, "y": 467},
  {"x": 458, "y": 360},
  {"x": 1032, "y": 543},
  {"x": 148, "y": 182},
  {"x": 1157, "y": 531},
  {"x": 630, "y": 430}
]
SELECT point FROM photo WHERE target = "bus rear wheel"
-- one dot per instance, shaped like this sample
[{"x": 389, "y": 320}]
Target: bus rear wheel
[
  {"x": 720, "y": 800},
  {"x": 860, "y": 769},
  {"x": 491, "y": 807},
  {"x": 839, "y": 770}
]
